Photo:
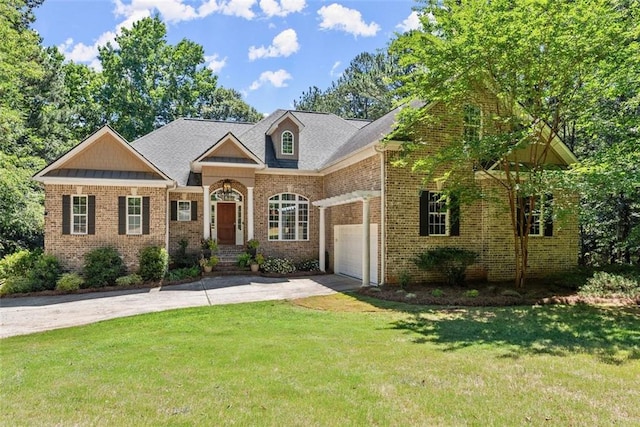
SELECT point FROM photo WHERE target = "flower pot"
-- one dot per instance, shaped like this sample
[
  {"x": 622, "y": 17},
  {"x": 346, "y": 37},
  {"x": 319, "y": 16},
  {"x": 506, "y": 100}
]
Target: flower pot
[
  {"x": 208, "y": 268},
  {"x": 254, "y": 267}
]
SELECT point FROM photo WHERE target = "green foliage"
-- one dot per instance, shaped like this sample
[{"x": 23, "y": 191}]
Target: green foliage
[
  {"x": 307, "y": 265},
  {"x": 259, "y": 259},
  {"x": 472, "y": 293},
  {"x": 18, "y": 263},
  {"x": 69, "y": 282},
  {"x": 181, "y": 258},
  {"x": 278, "y": 265},
  {"x": 154, "y": 261},
  {"x": 244, "y": 259},
  {"x": 211, "y": 261},
  {"x": 452, "y": 262},
  {"x": 129, "y": 280},
  {"x": 183, "y": 273},
  {"x": 437, "y": 293},
  {"x": 611, "y": 285},
  {"x": 27, "y": 271},
  {"x": 363, "y": 91},
  {"x": 404, "y": 279},
  {"x": 45, "y": 272},
  {"x": 17, "y": 285},
  {"x": 102, "y": 266},
  {"x": 253, "y": 244}
]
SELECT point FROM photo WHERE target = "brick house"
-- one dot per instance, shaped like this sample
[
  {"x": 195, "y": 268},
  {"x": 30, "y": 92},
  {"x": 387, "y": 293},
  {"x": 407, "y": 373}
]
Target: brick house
[{"x": 306, "y": 185}]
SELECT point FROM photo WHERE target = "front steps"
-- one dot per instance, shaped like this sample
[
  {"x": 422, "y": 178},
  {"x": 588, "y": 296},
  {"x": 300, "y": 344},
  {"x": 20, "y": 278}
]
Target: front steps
[{"x": 228, "y": 256}]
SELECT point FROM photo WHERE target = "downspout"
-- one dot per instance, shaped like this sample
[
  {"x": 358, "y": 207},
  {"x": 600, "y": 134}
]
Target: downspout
[{"x": 167, "y": 214}]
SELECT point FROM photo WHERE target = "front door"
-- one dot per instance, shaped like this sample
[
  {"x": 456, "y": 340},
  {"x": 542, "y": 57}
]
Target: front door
[{"x": 226, "y": 223}]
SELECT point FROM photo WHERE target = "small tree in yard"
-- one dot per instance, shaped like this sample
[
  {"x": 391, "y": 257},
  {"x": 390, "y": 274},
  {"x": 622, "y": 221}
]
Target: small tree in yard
[{"x": 534, "y": 64}]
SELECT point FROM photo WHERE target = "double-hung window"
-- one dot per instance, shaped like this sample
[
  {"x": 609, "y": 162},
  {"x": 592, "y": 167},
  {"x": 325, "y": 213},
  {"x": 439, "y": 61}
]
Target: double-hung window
[
  {"x": 472, "y": 123},
  {"x": 134, "y": 215},
  {"x": 288, "y": 217},
  {"x": 79, "y": 215},
  {"x": 184, "y": 210},
  {"x": 536, "y": 211},
  {"x": 439, "y": 215}
]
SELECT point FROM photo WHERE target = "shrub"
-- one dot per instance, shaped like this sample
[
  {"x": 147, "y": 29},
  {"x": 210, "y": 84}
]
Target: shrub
[
  {"x": 181, "y": 258},
  {"x": 45, "y": 272},
  {"x": 278, "y": 265},
  {"x": 610, "y": 285},
  {"x": 437, "y": 293},
  {"x": 102, "y": 266},
  {"x": 183, "y": 273},
  {"x": 18, "y": 264},
  {"x": 129, "y": 280},
  {"x": 451, "y": 261},
  {"x": 69, "y": 282},
  {"x": 404, "y": 279},
  {"x": 154, "y": 261},
  {"x": 244, "y": 259},
  {"x": 16, "y": 285},
  {"x": 472, "y": 293},
  {"x": 308, "y": 265}
]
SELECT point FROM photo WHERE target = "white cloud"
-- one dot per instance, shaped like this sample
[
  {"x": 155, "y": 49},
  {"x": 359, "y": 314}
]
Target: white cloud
[
  {"x": 282, "y": 8},
  {"x": 411, "y": 23},
  {"x": 338, "y": 17},
  {"x": 275, "y": 78},
  {"x": 172, "y": 11},
  {"x": 241, "y": 8},
  {"x": 215, "y": 64},
  {"x": 333, "y": 73},
  {"x": 284, "y": 44}
]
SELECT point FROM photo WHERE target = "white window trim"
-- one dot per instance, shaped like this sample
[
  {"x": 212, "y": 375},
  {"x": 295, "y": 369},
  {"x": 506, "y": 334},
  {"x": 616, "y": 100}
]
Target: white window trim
[
  {"x": 538, "y": 218},
  {"x": 446, "y": 217},
  {"x": 189, "y": 210},
  {"x": 296, "y": 203},
  {"x": 85, "y": 215},
  {"x": 466, "y": 125},
  {"x": 293, "y": 145},
  {"x": 129, "y": 232}
]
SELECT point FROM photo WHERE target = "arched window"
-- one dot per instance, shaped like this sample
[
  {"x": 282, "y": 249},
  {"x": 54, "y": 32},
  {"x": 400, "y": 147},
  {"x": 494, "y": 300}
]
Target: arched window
[
  {"x": 287, "y": 142},
  {"x": 288, "y": 217}
]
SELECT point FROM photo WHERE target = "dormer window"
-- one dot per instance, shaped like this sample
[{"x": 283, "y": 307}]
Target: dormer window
[{"x": 287, "y": 143}]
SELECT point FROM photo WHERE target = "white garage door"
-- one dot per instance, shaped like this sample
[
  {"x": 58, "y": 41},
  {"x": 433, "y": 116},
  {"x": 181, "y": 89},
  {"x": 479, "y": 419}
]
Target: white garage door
[{"x": 348, "y": 251}]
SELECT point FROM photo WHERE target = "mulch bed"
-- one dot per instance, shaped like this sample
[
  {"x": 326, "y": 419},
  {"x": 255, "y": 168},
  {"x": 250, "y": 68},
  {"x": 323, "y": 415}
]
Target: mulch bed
[{"x": 489, "y": 295}]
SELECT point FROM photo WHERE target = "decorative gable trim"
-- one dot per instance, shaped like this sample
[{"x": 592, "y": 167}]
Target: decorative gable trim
[
  {"x": 249, "y": 161},
  {"x": 41, "y": 176},
  {"x": 287, "y": 115}
]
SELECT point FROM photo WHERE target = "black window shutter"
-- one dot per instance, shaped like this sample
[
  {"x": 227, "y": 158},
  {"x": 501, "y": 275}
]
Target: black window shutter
[
  {"x": 454, "y": 212},
  {"x": 146, "y": 215},
  {"x": 194, "y": 211},
  {"x": 548, "y": 215},
  {"x": 424, "y": 213},
  {"x": 122, "y": 215},
  {"x": 66, "y": 214},
  {"x": 91, "y": 215},
  {"x": 174, "y": 210}
]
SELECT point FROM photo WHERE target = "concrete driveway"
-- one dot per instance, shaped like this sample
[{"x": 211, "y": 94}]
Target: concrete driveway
[{"x": 19, "y": 316}]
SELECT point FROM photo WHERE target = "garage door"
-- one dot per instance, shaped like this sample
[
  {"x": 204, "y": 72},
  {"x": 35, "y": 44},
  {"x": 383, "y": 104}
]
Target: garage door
[{"x": 348, "y": 251}]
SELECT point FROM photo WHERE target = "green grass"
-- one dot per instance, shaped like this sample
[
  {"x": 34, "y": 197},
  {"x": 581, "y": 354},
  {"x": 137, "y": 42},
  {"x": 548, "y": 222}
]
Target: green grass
[{"x": 277, "y": 363}]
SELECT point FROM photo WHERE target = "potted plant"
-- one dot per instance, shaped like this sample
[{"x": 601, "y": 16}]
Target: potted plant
[
  {"x": 244, "y": 260},
  {"x": 252, "y": 246},
  {"x": 257, "y": 262},
  {"x": 208, "y": 264},
  {"x": 209, "y": 247}
]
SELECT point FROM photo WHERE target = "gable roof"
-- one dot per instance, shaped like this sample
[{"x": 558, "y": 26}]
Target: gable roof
[
  {"x": 235, "y": 153},
  {"x": 71, "y": 166}
]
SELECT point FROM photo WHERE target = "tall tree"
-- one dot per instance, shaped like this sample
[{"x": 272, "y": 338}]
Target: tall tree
[
  {"x": 363, "y": 91},
  {"x": 148, "y": 83},
  {"x": 538, "y": 57}
]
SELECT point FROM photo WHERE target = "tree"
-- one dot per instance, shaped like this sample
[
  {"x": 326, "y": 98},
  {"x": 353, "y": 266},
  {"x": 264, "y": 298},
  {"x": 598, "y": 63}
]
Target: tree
[
  {"x": 147, "y": 83},
  {"x": 364, "y": 91},
  {"x": 538, "y": 58}
]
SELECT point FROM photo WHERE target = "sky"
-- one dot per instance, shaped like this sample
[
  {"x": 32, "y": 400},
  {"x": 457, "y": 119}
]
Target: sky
[{"x": 269, "y": 50}]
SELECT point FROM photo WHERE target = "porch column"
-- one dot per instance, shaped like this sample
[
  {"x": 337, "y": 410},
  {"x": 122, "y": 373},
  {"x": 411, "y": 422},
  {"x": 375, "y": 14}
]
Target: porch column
[
  {"x": 322, "y": 248},
  {"x": 366, "y": 243},
  {"x": 249, "y": 213},
  {"x": 206, "y": 214}
]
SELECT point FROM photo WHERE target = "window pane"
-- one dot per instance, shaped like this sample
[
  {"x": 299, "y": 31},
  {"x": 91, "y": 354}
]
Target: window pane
[
  {"x": 273, "y": 220},
  {"x": 79, "y": 205},
  {"x": 288, "y": 211},
  {"x": 287, "y": 142},
  {"x": 184, "y": 211},
  {"x": 437, "y": 215},
  {"x": 79, "y": 224},
  {"x": 134, "y": 205},
  {"x": 135, "y": 225}
]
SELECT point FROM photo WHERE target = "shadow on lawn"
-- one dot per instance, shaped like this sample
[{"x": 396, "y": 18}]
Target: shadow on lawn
[{"x": 612, "y": 334}]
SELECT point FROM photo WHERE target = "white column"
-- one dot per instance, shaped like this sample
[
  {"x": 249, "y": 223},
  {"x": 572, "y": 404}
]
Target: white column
[
  {"x": 322, "y": 239},
  {"x": 366, "y": 243},
  {"x": 206, "y": 206},
  {"x": 249, "y": 213}
]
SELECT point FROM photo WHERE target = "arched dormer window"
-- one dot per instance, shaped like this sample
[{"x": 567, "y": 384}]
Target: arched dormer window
[
  {"x": 288, "y": 217},
  {"x": 287, "y": 143}
]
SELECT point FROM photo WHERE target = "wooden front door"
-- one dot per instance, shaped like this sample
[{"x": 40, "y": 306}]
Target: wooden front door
[{"x": 226, "y": 213}]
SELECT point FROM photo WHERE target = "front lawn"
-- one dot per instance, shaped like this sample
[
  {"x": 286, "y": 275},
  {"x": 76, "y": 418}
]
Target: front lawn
[{"x": 331, "y": 361}]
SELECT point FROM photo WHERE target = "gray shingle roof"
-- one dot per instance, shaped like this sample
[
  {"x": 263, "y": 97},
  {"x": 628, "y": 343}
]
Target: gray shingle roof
[
  {"x": 102, "y": 174},
  {"x": 323, "y": 139}
]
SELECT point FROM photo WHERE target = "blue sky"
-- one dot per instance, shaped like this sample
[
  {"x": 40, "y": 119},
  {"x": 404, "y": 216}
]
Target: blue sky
[{"x": 270, "y": 50}]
